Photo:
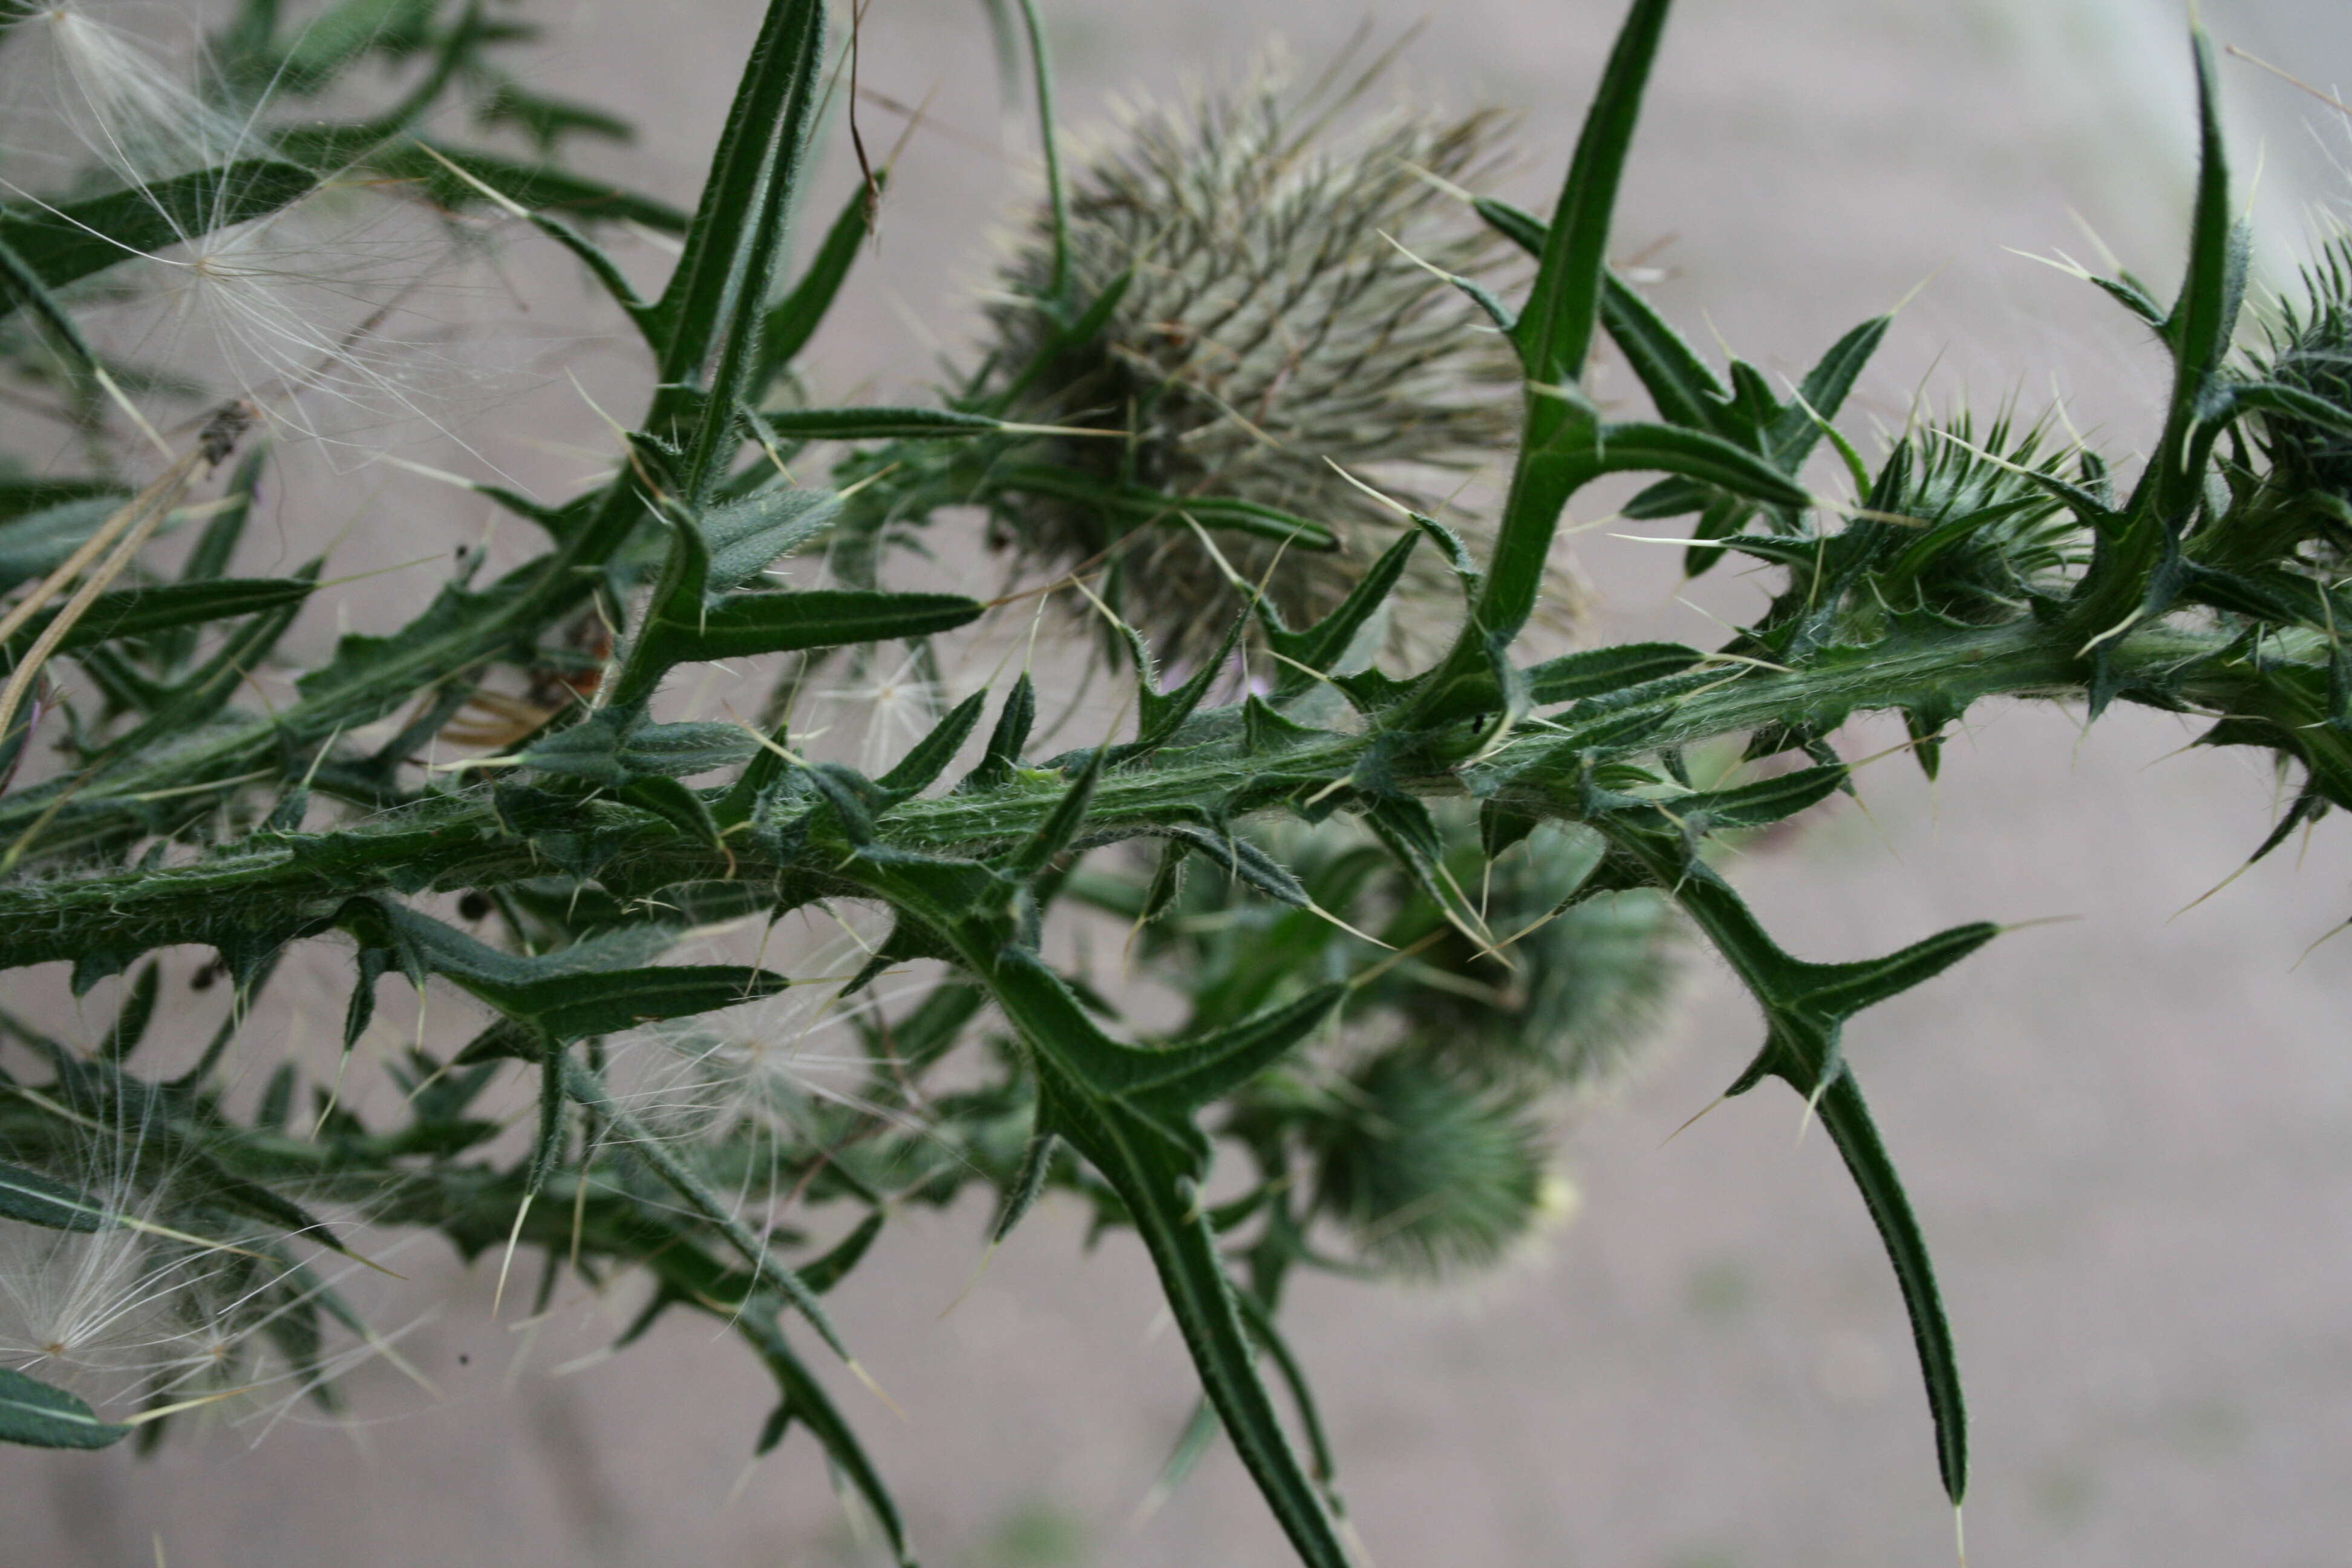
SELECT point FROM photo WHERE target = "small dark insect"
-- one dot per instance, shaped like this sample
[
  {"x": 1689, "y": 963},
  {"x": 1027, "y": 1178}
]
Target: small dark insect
[{"x": 223, "y": 430}]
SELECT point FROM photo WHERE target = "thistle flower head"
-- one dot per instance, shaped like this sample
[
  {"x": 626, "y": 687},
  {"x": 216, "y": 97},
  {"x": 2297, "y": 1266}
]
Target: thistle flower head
[
  {"x": 760, "y": 1064},
  {"x": 2310, "y": 350},
  {"x": 292, "y": 311},
  {"x": 76, "y": 1305},
  {"x": 1984, "y": 536},
  {"x": 1273, "y": 324},
  {"x": 1429, "y": 1173}
]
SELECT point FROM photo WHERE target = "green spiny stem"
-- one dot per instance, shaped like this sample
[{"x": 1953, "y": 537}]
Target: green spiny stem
[{"x": 283, "y": 885}]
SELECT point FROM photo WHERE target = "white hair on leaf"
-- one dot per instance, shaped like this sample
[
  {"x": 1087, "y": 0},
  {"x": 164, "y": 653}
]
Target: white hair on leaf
[{"x": 322, "y": 314}]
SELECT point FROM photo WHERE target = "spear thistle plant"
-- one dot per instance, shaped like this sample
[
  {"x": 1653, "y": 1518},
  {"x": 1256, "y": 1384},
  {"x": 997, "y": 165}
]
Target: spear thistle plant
[{"x": 1406, "y": 899}]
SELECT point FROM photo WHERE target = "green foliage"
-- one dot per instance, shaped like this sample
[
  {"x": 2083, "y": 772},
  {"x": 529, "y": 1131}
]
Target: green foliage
[
  {"x": 33, "y": 1413},
  {"x": 1411, "y": 893}
]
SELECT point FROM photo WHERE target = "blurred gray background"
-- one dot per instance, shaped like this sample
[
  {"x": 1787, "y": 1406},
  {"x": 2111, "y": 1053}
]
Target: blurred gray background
[{"x": 2128, "y": 1135}]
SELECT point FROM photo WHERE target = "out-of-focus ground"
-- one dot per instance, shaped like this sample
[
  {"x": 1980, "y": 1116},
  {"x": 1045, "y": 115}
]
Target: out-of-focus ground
[{"x": 2128, "y": 1135}]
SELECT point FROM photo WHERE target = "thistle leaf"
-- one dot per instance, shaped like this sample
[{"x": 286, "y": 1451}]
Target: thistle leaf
[
  {"x": 757, "y": 154},
  {"x": 1682, "y": 388},
  {"x": 928, "y": 758},
  {"x": 1061, "y": 825},
  {"x": 749, "y": 624},
  {"x": 1597, "y": 671},
  {"x": 795, "y": 319},
  {"x": 1006, "y": 740},
  {"x": 598, "y": 985},
  {"x": 142, "y": 612},
  {"x": 806, "y": 1401},
  {"x": 754, "y": 532},
  {"x": 684, "y": 622},
  {"x": 1555, "y": 331},
  {"x": 36, "y": 1199},
  {"x": 1805, "y": 1007},
  {"x": 72, "y": 240},
  {"x": 878, "y": 424},
  {"x": 1318, "y": 649},
  {"x": 39, "y": 1416}
]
